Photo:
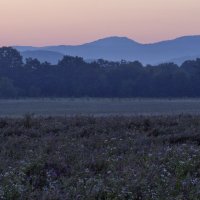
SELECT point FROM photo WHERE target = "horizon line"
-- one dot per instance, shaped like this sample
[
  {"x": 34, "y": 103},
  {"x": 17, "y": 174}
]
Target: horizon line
[{"x": 106, "y": 37}]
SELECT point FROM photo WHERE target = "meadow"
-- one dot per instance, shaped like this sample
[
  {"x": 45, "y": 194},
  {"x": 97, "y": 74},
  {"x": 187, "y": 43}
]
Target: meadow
[
  {"x": 100, "y": 158},
  {"x": 98, "y": 106},
  {"x": 99, "y": 149}
]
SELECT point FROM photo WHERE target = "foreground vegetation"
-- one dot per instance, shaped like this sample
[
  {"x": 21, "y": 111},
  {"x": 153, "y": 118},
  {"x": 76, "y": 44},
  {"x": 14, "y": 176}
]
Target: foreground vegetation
[{"x": 100, "y": 158}]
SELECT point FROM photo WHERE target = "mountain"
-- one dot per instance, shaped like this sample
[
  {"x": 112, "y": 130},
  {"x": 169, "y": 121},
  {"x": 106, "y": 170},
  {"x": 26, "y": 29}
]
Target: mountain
[{"x": 118, "y": 48}]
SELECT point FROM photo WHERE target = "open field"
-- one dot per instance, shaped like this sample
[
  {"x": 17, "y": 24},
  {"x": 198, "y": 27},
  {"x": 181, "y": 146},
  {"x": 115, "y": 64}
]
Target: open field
[
  {"x": 103, "y": 158},
  {"x": 98, "y": 107}
]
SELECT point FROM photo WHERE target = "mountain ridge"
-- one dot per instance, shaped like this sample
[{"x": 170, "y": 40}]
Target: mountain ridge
[{"x": 116, "y": 48}]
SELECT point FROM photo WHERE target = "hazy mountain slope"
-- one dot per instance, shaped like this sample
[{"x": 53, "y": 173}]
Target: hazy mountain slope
[
  {"x": 117, "y": 48},
  {"x": 187, "y": 46},
  {"x": 181, "y": 60},
  {"x": 112, "y": 48}
]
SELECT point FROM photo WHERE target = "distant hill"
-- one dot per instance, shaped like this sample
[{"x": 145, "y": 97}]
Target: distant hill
[{"x": 118, "y": 48}]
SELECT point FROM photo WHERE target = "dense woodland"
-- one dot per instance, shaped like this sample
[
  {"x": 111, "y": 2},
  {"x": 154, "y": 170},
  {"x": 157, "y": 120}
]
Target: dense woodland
[{"x": 73, "y": 77}]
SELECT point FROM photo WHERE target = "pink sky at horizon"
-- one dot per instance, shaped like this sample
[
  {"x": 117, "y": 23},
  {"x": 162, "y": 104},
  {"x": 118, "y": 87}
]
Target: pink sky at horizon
[{"x": 50, "y": 22}]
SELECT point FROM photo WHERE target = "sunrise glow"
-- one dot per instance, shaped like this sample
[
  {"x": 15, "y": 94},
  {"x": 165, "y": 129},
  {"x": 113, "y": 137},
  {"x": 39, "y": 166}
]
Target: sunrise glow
[{"x": 50, "y": 22}]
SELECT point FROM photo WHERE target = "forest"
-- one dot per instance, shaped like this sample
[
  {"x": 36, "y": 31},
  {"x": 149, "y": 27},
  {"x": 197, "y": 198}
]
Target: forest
[{"x": 74, "y": 77}]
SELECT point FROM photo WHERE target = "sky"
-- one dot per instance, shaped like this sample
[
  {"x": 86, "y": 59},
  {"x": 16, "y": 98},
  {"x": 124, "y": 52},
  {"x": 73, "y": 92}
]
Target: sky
[{"x": 56, "y": 22}]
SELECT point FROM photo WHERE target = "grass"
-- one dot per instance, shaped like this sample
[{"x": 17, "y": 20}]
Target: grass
[
  {"x": 98, "y": 107},
  {"x": 106, "y": 158}
]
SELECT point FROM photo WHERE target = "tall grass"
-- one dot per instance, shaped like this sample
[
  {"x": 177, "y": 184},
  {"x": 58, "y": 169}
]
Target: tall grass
[{"x": 100, "y": 158}]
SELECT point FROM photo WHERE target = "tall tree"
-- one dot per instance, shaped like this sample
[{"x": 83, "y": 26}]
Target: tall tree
[{"x": 10, "y": 57}]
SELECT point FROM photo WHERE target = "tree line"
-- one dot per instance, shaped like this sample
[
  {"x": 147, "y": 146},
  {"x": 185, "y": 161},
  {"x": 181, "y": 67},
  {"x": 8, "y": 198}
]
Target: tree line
[{"x": 73, "y": 77}]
